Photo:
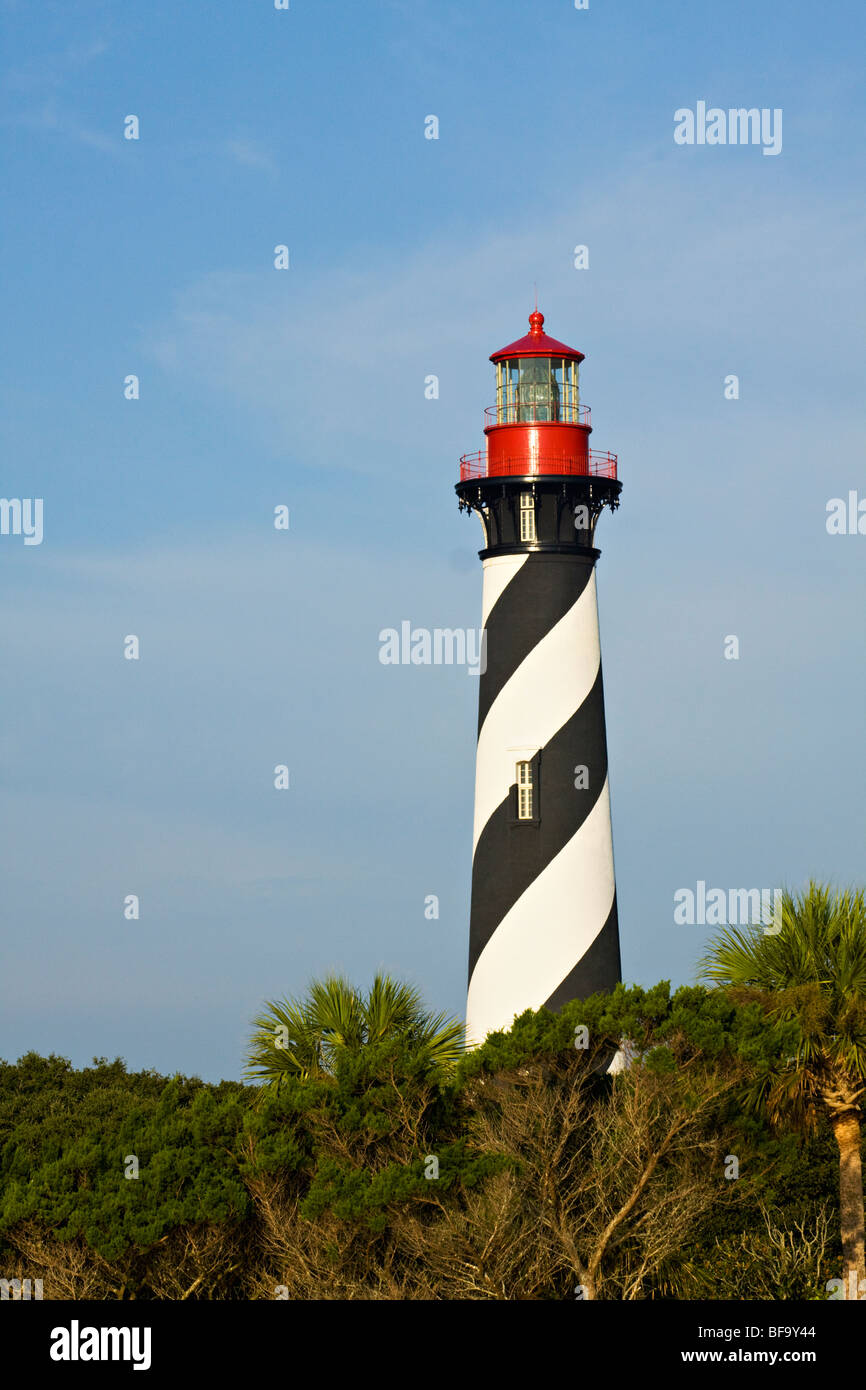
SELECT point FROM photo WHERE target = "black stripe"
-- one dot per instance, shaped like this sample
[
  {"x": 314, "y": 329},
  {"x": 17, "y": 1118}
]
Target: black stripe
[
  {"x": 511, "y": 854},
  {"x": 540, "y": 594},
  {"x": 599, "y": 969}
]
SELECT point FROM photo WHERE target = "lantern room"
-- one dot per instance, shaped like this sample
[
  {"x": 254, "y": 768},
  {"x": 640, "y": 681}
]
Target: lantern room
[
  {"x": 536, "y": 378},
  {"x": 538, "y": 425}
]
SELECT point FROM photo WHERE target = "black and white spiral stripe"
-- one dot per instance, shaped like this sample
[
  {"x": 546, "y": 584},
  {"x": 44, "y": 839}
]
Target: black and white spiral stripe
[{"x": 544, "y": 922}]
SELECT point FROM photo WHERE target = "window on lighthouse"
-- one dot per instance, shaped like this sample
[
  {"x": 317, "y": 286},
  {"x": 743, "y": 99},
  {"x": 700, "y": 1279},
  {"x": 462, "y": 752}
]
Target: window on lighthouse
[
  {"x": 537, "y": 390},
  {"x": 524, "y": 791},
  {"x": 527, "y": 517}
]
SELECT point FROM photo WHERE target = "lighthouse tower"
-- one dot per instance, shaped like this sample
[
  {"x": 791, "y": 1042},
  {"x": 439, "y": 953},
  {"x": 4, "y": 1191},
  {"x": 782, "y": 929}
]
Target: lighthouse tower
[{"x": 543, "y": 922}]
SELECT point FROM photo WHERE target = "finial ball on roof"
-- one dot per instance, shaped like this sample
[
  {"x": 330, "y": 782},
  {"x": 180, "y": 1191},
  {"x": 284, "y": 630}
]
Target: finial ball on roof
[{"x": 536, "y": 324}]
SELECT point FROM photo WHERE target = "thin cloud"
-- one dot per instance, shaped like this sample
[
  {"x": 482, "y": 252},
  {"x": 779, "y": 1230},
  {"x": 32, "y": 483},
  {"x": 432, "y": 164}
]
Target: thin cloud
[
  {"x": 277, "y": 342},
  {"x": 251, "y": 155},
  {"x": 65, "y": 124},
  {"x": 53, "y": 70}
]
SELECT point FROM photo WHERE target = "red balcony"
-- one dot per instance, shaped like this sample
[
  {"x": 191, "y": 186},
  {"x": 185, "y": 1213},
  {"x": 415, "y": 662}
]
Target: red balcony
[{"x": 595, "y": 465}]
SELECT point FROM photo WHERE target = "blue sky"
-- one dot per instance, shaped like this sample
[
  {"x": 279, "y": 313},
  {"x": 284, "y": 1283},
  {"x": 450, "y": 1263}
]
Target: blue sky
[{"x": 306, "y": 387}]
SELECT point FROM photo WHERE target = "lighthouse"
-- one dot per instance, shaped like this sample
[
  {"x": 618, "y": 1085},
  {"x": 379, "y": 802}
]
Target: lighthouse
[{"x": 543, "y": 924}]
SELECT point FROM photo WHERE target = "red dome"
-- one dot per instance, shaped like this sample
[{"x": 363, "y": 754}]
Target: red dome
[{"x": 537, "y": 344}]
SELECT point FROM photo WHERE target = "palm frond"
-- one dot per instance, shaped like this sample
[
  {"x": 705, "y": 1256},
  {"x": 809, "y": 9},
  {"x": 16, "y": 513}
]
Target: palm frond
[
  {"x": 809, "y": 968},
  {"x": 306, "y": 1036}
]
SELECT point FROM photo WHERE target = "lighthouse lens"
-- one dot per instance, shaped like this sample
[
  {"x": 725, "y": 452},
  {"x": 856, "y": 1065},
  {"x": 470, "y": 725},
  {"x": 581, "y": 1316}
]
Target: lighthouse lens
[{"x": 537, "y": 390}]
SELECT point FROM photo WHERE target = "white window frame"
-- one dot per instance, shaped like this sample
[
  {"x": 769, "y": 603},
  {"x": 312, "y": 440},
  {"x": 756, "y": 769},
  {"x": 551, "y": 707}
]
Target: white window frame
[
  {"x": 528, "y": 531},
  {"x": 525, "y": 790}
]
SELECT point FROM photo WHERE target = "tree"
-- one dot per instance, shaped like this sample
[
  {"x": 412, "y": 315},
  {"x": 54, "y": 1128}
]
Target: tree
[
  {"x": 303, "y": 1037},
  {"x": 117, "y": 1184},
  {"x": 599, "y": 1181},
  {"x": 809, "y": 969}
]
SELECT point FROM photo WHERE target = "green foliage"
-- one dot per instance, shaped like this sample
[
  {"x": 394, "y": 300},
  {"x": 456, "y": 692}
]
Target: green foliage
[
  {"x": 765, "y": 1262},
  {"x": 368, "y": 1197},
  {"x": 666, "y": 1029},
  {"x": 808, "y": 975},
  {"x": 65, "y": 1136},
  {"x": 305, "y": 1037},
  {"x": 325, "y": 1170}
]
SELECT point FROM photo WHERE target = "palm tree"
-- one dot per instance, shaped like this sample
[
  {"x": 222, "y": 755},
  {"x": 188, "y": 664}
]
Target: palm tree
[
  {"x": 305, "y": 1037},
  {"x": 810, "y": 968}
]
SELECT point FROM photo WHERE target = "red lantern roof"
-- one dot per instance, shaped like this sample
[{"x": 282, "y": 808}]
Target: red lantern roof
[{"x": 536, "y": 343}]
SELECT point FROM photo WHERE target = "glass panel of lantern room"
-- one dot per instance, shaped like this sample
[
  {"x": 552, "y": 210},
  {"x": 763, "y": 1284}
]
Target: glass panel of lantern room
[
  {"x": 537, "y": 390},
  {"x": 511, "y": 375},
  {"x": 560, "y": 381}
]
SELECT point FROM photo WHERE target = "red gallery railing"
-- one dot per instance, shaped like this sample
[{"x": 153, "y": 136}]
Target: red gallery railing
[{"x": 598, "y": 465}]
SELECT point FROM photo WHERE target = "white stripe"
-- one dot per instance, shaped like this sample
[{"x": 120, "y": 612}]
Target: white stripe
[
  {"x": 543, "y": 693},
  {"x": 498, "y": 573},
  {"x": 547, "y": 931}
]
